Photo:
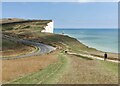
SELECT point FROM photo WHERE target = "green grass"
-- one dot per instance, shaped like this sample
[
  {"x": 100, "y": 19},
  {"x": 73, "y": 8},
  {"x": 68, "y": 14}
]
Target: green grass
[
  {"x": 83, "y": 57},
  {"x": 71, "y": 44},
  {"x": 7, "y": 44},
  {"x": 53, "y": 71},
  {"x": 28, "y": 25},
  {"x": 110, "y": 66},
  {"x": 35, "y": 34},
  {"x": 44, "y": 76}
]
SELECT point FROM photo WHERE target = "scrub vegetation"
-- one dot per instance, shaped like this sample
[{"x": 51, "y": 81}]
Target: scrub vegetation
[{"x": 56, "y": 67}]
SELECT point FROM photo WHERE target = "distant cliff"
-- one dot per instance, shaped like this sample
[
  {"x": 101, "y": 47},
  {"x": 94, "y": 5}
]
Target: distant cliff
[
  {"x": 49, "y": 28},
  {"x": 14, "y": 24}
]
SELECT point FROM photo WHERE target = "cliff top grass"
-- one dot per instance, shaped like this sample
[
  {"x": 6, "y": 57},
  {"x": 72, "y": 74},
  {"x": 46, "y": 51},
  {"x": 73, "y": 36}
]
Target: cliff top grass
[
  {"x": 18, "y": 24},
  {"x": 32, "y": 31},
  {"x": 65, "y": 68},
  {"x": 5, "y": 21},
  {"x": 13, "y": 48}
]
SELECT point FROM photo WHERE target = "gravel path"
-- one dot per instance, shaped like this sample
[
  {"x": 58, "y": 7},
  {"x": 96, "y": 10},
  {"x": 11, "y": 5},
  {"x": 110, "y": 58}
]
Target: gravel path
[{"x": 94, "y": 57}]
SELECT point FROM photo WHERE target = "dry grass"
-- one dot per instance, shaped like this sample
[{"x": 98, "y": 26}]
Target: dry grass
[
  {"x": 17, "y": 51},
  {"x": 80, "y": 71},
  {"x": 83, "y": 71},
  {"x": 72, "y": 44},
  {"x": 33, "y": 33},
  {"x": 112, "y": 56},
  {"x": 13, "y": 48},
  {"x": 6, "y": 20},
  {"x": 13, "y": 69},
  {"x": 0, "y": 71}
]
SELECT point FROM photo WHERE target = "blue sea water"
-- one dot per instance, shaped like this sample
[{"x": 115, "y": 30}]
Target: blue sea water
[{"x": 102, "y": 39}]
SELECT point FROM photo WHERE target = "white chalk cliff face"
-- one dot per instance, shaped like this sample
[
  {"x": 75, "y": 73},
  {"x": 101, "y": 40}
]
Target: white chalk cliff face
[{"x": 49, "y": 28}]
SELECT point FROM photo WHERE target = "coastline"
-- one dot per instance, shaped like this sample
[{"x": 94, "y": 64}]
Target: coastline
[
  {"x": 97, "y": 48},
  {"x": 52, "y": 39},
  {"x": 93, "y": 51},
  {"x": 100, "y": 53},
  {"x": 93, "y": 38},
  {"x": 77, "y": 52}
]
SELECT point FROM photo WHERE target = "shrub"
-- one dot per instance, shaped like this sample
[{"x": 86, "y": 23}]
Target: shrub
[{"x": 10, "y": 28}]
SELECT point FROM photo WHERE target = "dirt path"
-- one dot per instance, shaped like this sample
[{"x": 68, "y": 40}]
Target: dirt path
[{"x": 94, "y": 57}]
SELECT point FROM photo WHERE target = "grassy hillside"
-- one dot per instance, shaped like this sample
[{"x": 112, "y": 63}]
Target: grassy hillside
[
  {"x": 73, "y": 70},
  {"x": 56, "y": 67},
  {"x": 6, "y": 20},
  {"x": 31, "y": 30},
  {"x": 70, "y": 44},
  {"x": 14, "y": 27},
  {"x": 7, "y": 44},
  {"x": 13, "y": 48}
]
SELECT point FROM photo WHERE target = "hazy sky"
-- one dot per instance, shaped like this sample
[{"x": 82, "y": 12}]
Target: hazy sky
[
  {"x": 60, "y": 0},
  {"x": 66, "y": 14}
]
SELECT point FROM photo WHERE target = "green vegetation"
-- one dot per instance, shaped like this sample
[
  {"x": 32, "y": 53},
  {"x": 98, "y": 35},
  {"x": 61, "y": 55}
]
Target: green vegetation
[
  {"x": 54, "y": 39},
  {"x": 69, "y": 68},
  {"x": 71, "y": 44},
  {"x": 32, "y": 31},
  {"x": 7, "y": 44},
  {"x": 72, "y": 69},
  {"x": 44, "y": 76},
  {"x": 11, "y": 28},
  {"x": 110, "y": 66},
  {"x": 12, "y": 48},
  {"x": 27, "y": 26},
  {"x": 42, "y": 23},
  {"x": 87, "y": 58}
]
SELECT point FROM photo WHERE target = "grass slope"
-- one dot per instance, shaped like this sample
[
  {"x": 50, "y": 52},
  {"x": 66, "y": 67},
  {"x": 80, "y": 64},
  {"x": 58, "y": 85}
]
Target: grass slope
[
  {"x": 80, "y": 70},
  {"x": 13, "y": 48},
  {"x": 44, "y": 76},
  {"x": 84, "y": 71},
  {"x": 74, "y": 70}
]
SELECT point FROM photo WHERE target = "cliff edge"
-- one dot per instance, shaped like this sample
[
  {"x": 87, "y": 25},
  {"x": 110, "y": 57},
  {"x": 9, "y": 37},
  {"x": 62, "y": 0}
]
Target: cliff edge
[{"x": 49, "y": 28}]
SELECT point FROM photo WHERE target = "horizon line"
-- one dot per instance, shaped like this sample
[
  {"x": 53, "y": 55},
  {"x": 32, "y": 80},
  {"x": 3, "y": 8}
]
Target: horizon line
[{"x": 85, "y": 28}]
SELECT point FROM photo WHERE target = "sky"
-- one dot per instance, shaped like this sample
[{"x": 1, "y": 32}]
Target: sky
[
  {"x": 79, "y": 14},
  {"x": 60, "y": 0}
]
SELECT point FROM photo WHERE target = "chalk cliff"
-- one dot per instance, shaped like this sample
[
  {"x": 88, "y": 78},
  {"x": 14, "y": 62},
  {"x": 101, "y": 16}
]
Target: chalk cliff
[
  {"x": 43, "y": 25},
  {"x": 49, "y": 28}
]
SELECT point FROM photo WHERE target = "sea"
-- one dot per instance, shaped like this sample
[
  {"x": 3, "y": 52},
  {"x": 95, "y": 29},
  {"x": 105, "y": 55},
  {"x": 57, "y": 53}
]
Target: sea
[{"x": 102, "y": 39}]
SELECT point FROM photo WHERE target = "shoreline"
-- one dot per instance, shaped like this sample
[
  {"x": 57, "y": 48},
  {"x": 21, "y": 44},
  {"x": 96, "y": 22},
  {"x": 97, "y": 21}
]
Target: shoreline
[
  {"x": 86, "y": 43},
  {"x": 97, "y": 48},
  {"x": 100, "y": 51},
  {"x": 95, "y": 52},
  {"x": 52, "y": 39}
]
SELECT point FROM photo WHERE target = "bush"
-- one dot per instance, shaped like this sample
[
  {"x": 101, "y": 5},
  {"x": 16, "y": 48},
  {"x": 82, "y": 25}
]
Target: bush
[
  {"x": 27, "y": 27},
  {"x": 10, "y": 28}
]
